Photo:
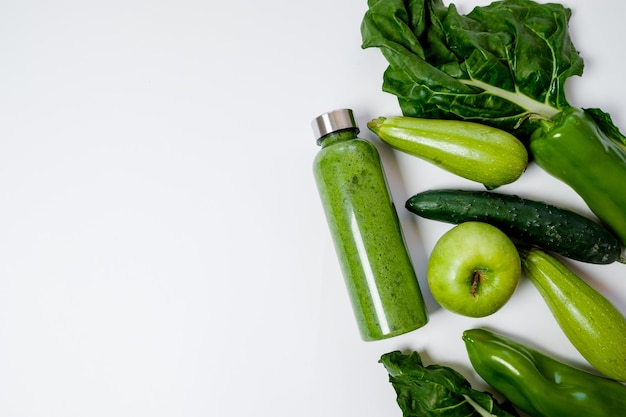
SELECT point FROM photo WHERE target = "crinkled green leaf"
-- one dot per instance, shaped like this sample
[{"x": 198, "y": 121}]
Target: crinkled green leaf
[
  {"x": 605, "y": 123},
  {"x": 436, "y": 390},
  {"x": 504, "y": 64}
]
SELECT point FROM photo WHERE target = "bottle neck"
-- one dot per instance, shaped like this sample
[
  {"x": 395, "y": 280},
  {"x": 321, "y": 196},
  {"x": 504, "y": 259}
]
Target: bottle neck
[{"x": 339, "y": 136}]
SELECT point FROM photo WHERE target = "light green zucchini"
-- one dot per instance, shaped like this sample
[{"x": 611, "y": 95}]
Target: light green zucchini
[
  {"x": 473, "y": 151},
  {"x": 594, "y": 326}
]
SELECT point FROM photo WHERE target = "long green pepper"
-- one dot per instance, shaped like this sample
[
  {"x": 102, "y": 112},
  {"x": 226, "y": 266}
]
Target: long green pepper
[
  {"x": 573, "y": 148},
  {"x": 538, "y": 384}
]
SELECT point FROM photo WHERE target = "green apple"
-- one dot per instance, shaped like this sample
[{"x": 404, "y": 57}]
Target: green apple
[{"x": 473, "y": 269}]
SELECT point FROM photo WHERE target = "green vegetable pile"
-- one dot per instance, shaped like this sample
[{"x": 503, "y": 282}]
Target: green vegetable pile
[
  {"x": 537, "y": 384},
  {"x": 504, "y": 66}
]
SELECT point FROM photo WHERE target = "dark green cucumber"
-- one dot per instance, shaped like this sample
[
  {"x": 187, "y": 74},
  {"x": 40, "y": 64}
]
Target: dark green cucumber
[{"x": 537, "y": 223}]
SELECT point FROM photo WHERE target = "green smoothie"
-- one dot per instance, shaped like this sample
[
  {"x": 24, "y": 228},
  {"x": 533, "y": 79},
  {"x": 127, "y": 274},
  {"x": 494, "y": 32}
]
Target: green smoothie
[{"x": 378, "y": 271}]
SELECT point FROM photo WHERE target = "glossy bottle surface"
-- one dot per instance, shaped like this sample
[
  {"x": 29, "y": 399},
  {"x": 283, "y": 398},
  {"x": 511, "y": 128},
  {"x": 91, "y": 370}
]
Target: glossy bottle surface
[{"x": 377, "y": 268}]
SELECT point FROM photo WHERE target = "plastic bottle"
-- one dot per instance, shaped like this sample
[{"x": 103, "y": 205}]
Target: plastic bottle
[{"x": 378, "y": 272}]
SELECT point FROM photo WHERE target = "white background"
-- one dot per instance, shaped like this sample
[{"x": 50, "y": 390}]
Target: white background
[{"x": 163, "y": 251}]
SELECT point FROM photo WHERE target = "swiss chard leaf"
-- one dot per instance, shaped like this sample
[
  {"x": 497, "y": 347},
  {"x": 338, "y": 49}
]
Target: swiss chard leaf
[
  {"x": 605, "y": 123},
  {"x": 437, "y": 390},
  {"x": 504, "y": 64}
]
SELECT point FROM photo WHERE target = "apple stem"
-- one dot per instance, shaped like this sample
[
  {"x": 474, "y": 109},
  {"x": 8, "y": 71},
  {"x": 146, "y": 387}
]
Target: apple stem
[{"x": 475, "y": 281}]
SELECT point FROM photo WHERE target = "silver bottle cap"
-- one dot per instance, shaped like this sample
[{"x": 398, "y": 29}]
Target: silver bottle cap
[{"x": 333, "y": 121}]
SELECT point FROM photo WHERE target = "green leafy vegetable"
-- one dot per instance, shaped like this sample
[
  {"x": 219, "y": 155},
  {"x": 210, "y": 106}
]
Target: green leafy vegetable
[
  {"x": 437, "y": 390},
  {"x": 605, "y": 123},
  {"x": 504, "y": 64}
]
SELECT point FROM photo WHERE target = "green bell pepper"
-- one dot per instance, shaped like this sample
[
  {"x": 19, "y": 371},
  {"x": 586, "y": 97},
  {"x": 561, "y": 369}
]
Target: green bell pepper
[
  {"x": 585, "y": 150},
  {"x": 538, "y": 384}
]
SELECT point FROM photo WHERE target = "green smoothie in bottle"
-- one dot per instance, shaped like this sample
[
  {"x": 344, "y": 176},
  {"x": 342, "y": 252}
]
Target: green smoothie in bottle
[{"x": 377, "y": 269}]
